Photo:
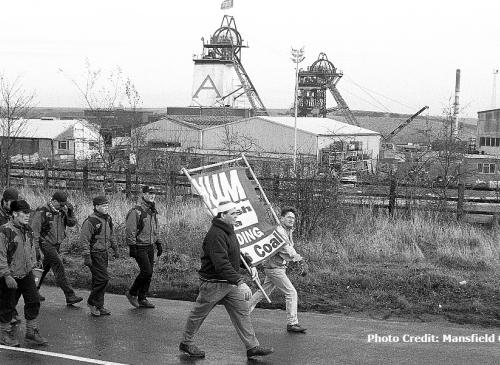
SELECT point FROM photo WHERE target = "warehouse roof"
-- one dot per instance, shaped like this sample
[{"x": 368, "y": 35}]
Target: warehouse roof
[
  {"x": 205, "y": 121},
  {"x": 322, "y": 126}
]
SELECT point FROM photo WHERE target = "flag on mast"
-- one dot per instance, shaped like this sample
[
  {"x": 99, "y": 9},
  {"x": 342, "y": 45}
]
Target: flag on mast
[{"x": 226, "y": 4}]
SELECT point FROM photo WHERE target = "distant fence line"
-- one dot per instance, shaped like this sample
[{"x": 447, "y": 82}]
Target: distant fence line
[{"x": 129, "y": 181}]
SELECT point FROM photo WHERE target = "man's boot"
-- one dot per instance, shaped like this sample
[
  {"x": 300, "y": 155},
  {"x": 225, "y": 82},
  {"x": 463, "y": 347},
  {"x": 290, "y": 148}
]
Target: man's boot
[
  {"x": 7, "y": 335},
  {"x": 33, "y": 335}
]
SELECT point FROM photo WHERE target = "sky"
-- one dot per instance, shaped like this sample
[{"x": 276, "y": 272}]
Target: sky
[{"x": 396, "y": 55}]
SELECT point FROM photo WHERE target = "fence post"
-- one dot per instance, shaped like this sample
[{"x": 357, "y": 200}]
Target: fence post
[
  {"x": 85, "y": 177},
  {"x": 392, "y": 195},
  {"x": 460, "y": 201},
  {"x": 128, "y": 181},
  {"x": 46, "y": 177}
]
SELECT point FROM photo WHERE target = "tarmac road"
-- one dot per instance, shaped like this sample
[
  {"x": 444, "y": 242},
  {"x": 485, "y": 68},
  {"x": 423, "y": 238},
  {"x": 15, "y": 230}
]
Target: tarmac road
[{"x": 151, "y": 336}]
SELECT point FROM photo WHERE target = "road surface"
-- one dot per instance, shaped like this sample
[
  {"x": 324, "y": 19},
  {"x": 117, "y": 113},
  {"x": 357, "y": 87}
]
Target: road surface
[{"x": 151, "y": 336}]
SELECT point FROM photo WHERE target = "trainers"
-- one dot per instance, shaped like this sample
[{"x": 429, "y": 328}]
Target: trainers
[
  {"x": 104, "y": 311},
  {"x": 15, "y": 319},
  {"x": 132, "y": 299},
  {"x": 144, "y": 303},
  {"x": 93, "y": 310},
  {"x": 191, "y": 350},
  {"x": 297, "y": 328},
  {"x": 73, "y": 299},
  {"x": 34, "y": 337},
  {"x": 259, "y": 351}
]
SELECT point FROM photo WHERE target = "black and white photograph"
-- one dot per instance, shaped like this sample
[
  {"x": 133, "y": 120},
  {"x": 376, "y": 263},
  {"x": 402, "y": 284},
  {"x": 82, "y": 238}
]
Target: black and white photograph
[{"x": 249, "y": 182}]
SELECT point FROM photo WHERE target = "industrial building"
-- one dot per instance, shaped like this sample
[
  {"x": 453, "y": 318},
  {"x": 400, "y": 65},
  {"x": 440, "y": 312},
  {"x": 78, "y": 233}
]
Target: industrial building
[
  {"x": 488, "y": 132},
  {"x": 34, "y": 140},
  {"x": 326, "y": 140}
]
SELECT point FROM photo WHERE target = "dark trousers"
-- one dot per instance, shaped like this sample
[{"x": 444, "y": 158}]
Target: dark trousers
[
  {"x": 8, "y": 298},
  {"x": 100, "y": 278},
  {"x": 52, "y": 260},
  {"x": 145, "y": 260}
]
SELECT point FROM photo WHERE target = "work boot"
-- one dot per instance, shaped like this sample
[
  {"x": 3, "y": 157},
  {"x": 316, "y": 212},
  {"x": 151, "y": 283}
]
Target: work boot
[
  {"x": 259, "y": 351},
  {"x": 144, "y": 303},
  {"x": 132, "y": 299},
  {"x": 104, "y": 311},
  {"x": 94, "y": 311},
  {"x": 191, "y": 350},
  {"x": 16, "y": 319},
  {"x": 297, "y": 328},
  {"x": 32, "y": 334},
  {"x": 7, "y": 335},
  {"x": 73, "y": 299}
]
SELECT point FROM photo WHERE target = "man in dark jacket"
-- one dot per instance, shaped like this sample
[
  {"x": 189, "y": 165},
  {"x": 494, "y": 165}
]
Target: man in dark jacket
[
  {"x": 96, "y": 236},
  {"x": 141, "y": 233},
  {"x": 49, "y": 230},
  {"x": 221, "y": 282},
  {"x": 9, "y": 195},
  {"x": 17, "y": 260}
]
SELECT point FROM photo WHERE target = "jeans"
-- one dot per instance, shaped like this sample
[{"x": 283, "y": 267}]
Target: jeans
[
  {"x": 236, "y": 306},
  {"x": 100, "y": 278},
  {"x": 52, "y": 260},
  {"x": 276, "y": 278},
  {"x": 145, "y": 259},
  {"x": 8, "y": 298}
]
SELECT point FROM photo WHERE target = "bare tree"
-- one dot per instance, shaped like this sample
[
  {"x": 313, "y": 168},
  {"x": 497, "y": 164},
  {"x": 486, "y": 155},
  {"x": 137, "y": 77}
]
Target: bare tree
[{"x": 15, "y": 106}]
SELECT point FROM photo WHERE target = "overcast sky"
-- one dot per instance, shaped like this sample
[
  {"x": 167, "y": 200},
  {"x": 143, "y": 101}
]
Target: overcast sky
[{"x": 396, "y": 55}]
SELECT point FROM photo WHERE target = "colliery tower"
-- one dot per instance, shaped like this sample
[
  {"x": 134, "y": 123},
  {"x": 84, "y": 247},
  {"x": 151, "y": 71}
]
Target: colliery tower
[
  {"x": 220, "y": 80},
  {"x": 313, "y": 84}
]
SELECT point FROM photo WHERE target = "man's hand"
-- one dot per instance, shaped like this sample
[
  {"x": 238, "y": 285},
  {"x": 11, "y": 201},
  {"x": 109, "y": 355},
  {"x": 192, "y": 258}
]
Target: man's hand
[
  {"x": 133, "y": 251},
  {"x": 116, "y": 254},
  {"x": 87, "y": 260},
  {"x": 10, "y": 282},
  {"x": 247, "y": 292},
  {"x": 69, "y": 209},
  {"x": 159, "y": 249},
  {"x": 254, "y": 273}
]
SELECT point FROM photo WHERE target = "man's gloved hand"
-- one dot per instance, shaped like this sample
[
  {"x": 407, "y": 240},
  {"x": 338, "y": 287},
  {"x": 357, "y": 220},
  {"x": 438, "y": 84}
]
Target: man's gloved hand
[
  {"x": 133, "y": 251},
  {"x": 159, "y": 249},
  {"x": 87, "y": 260},
  {"x": 304, "y": 268},
  {"x": 247, "y": 292},
  {"x": 10, "y": 282}
]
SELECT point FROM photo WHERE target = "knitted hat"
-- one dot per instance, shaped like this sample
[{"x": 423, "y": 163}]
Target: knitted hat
[
  {"x": 60, "y": 196},
  {"x": 100, "y": 200},
  {"x": 10, "y": 194},
  {"x": 149, "y": 189},
  {"x": 20, "y": 206}
]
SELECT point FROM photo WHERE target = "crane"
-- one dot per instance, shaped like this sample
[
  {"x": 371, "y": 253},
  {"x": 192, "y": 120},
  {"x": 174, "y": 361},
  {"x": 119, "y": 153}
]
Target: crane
[{"x": 404, "y": 124}]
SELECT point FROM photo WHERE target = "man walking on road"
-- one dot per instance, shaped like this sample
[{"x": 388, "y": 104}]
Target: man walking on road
[
  {"x": 275, "y": 270},
  {"x": 96, "y": 236},
  {"x": 141, "y": 234},
  {"x": 221, "y": 282},
  {"x": 17, "y": 260},
  {"x": 49, "y": 230}
]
